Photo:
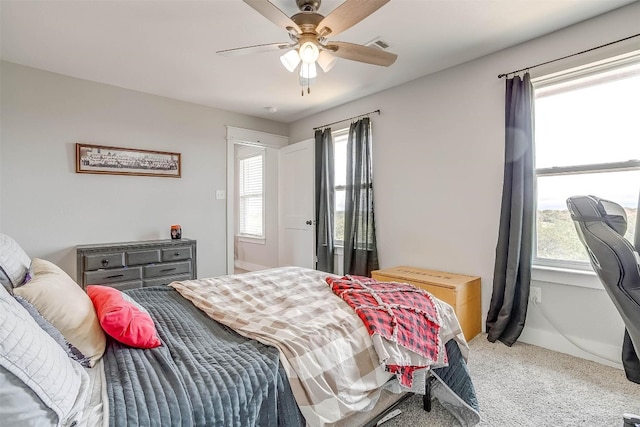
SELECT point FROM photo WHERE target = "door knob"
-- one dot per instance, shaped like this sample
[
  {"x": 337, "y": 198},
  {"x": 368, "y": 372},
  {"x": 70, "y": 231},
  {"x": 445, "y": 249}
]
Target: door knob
[{"x": 308, "y": 222}]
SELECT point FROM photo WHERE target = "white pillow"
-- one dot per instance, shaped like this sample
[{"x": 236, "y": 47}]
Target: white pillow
[
  {"x": 66, "y": 306},
  {"x": 37, "y": 366},
  {"x": 14, "y": 262}
]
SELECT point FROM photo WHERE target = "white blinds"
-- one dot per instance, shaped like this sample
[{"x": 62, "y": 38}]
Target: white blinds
[{"x": 250, "y": 190}]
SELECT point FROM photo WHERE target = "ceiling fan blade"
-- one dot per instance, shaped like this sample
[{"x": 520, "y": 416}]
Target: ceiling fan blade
[
  {"x": 273, "y": 14},
  {"x": 256, "y": 49},
  {"x": 360, "y": 53},
  {"x": 347, "y": 15}
]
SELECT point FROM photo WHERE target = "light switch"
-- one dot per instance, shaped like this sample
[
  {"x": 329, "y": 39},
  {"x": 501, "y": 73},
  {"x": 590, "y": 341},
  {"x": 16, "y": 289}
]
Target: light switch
[{"x": 220, "y": 195}]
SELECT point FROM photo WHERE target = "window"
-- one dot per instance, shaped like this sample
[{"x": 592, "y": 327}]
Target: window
[
  {"x": 587, "y": 141},
  {"x": 340, "y": 139},
  {"x": 251, "y": 192}
]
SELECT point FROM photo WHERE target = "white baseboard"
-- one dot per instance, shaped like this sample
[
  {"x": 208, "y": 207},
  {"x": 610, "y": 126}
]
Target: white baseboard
[
  {"x": 249, "y": 266},
  {"x": 556, "y": 342}
]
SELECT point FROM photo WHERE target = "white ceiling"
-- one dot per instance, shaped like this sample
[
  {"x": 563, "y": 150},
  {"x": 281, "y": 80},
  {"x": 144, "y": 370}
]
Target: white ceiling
[{"x": 168, "y": 48}]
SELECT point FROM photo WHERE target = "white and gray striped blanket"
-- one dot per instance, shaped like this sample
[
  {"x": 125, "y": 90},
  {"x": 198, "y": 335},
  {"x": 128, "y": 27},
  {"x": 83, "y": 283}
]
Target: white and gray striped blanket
[{"x": 329, "y": 357}]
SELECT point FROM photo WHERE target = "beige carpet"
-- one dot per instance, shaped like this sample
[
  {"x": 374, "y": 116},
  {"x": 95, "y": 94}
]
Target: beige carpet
[{"x": 526, "y": 385}]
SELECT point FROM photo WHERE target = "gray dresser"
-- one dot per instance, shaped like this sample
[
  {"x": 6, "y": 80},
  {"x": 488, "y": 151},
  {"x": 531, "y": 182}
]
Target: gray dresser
[{"x": 129, "y": 265}]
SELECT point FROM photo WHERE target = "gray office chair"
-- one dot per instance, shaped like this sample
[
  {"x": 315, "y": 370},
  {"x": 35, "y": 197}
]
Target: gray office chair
[{"x": 601, "y": 225}]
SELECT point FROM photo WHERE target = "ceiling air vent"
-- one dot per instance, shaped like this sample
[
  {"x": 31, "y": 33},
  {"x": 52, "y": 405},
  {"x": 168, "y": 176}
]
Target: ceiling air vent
[{"x": 378, "y": 43}]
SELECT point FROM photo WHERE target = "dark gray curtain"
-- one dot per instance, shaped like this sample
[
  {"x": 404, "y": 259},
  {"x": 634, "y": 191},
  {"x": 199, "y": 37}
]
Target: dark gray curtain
[
  {"x": 360, "y": 248},
  {"x": 512, "y": 272},
  {"x": 324, "y": 171}
]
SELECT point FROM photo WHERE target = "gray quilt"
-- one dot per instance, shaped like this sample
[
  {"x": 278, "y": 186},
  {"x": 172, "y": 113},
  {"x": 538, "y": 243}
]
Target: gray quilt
[
  {"x": 203, "y": 374},
  {"x": 462, "y": 403}
]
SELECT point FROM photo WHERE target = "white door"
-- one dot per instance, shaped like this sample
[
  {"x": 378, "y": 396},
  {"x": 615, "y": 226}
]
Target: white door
[{"x": 296, "y": 205}]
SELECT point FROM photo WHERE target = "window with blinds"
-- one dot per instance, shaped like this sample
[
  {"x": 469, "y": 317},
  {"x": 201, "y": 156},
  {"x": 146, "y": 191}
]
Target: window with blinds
[{"x": 251, "y": 196}]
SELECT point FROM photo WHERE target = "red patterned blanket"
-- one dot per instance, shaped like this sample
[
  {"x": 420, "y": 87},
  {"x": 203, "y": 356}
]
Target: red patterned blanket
[{"x": 398, "y": 312}]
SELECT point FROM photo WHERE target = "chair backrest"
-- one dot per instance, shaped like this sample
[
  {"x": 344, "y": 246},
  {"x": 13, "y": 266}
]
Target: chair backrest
[{"x": 601, "y": 225}]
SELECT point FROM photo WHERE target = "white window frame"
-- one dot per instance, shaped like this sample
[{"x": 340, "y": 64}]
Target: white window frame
[
  {"x": 341, "y": 133},
  {"x": 244, "y": 155},
  {"x": 566, "y": 272}
]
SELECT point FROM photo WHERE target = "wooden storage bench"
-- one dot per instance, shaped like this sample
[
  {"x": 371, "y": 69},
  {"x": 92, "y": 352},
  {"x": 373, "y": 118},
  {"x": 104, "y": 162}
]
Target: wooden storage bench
[{"x": 462, "y": 292}]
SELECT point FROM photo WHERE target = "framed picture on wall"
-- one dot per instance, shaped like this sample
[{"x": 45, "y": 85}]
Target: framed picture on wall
[{"x": 126, "y": 161}]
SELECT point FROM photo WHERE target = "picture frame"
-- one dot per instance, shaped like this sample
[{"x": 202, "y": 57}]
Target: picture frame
[{"x": 102, "y": 159}]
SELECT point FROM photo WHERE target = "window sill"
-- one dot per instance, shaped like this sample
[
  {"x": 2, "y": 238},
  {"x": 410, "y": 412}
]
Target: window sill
[
  {"x": 254, "y": 240},
  {"x": 565, "y": 276}
]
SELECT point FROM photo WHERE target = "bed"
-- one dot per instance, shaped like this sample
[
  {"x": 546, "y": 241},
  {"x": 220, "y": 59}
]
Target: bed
[{"x": 269, "y": 348}]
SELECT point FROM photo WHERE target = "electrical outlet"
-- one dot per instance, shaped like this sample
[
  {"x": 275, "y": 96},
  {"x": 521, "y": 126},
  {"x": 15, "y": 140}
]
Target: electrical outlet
[{"x": 535, "y": 295}]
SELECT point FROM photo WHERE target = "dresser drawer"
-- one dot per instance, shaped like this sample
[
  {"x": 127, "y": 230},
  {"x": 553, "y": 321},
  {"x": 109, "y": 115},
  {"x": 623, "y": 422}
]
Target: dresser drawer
[
  {"x": 112, "y": 275},
  {"x": 133, "y": 284},
  {"x": 167, "y": 269},
  {"x": 143, "y": 257},
  {"x": 175, "y": 254},
  {"x": 161, "y": 281},
  {"x": 126, "y": 265},
  {"x": 95, "y": 262}
]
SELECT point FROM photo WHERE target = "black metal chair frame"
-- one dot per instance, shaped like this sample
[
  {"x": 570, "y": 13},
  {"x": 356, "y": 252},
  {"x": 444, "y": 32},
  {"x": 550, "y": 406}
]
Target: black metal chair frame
[{"x": 601, "y": 225}]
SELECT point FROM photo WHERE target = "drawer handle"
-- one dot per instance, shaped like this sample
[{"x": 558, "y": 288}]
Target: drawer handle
[
  {"x": 114, "y": 276},
  {"x": 168, "y": 269},
  {"x": 105, "y": 262},
  {"x": 176, "y": 254}
]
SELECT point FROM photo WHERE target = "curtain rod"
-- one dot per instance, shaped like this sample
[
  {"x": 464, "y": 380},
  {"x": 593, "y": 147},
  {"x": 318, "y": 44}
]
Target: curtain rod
[
  {"x": 350, "y": 118},
  {"x": 568, "y": 56}
]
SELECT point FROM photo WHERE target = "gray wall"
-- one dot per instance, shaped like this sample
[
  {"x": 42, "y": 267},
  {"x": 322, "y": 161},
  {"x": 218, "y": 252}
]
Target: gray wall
[
  {"x": 438, "y": 161},
  {"x": 48, "y": 208}
]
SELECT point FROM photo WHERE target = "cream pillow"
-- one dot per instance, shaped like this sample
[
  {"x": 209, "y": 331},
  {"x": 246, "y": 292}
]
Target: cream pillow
[
  {"x": 39, "y": 384},
  {"x": 66, "y": 306}
]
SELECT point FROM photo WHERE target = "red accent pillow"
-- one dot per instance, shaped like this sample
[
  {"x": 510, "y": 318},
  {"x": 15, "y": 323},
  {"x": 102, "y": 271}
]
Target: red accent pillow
[{"x": 121, "y": 319}]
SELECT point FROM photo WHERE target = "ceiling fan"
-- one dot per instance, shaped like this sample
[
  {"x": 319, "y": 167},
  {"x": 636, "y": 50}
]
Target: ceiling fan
[{"x": 309, "y": 32}]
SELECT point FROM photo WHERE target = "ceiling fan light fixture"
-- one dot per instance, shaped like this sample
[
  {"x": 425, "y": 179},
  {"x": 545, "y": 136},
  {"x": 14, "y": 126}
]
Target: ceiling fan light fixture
[
  {"x": 309, "y": 52},
  {"x": 307, "y": 75},
  {"x": 308, "y": 71},
  {"x": 308, "y": 31},
  {"x": 290, "y": 60},
  {"x": 326, "y": 61}
]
